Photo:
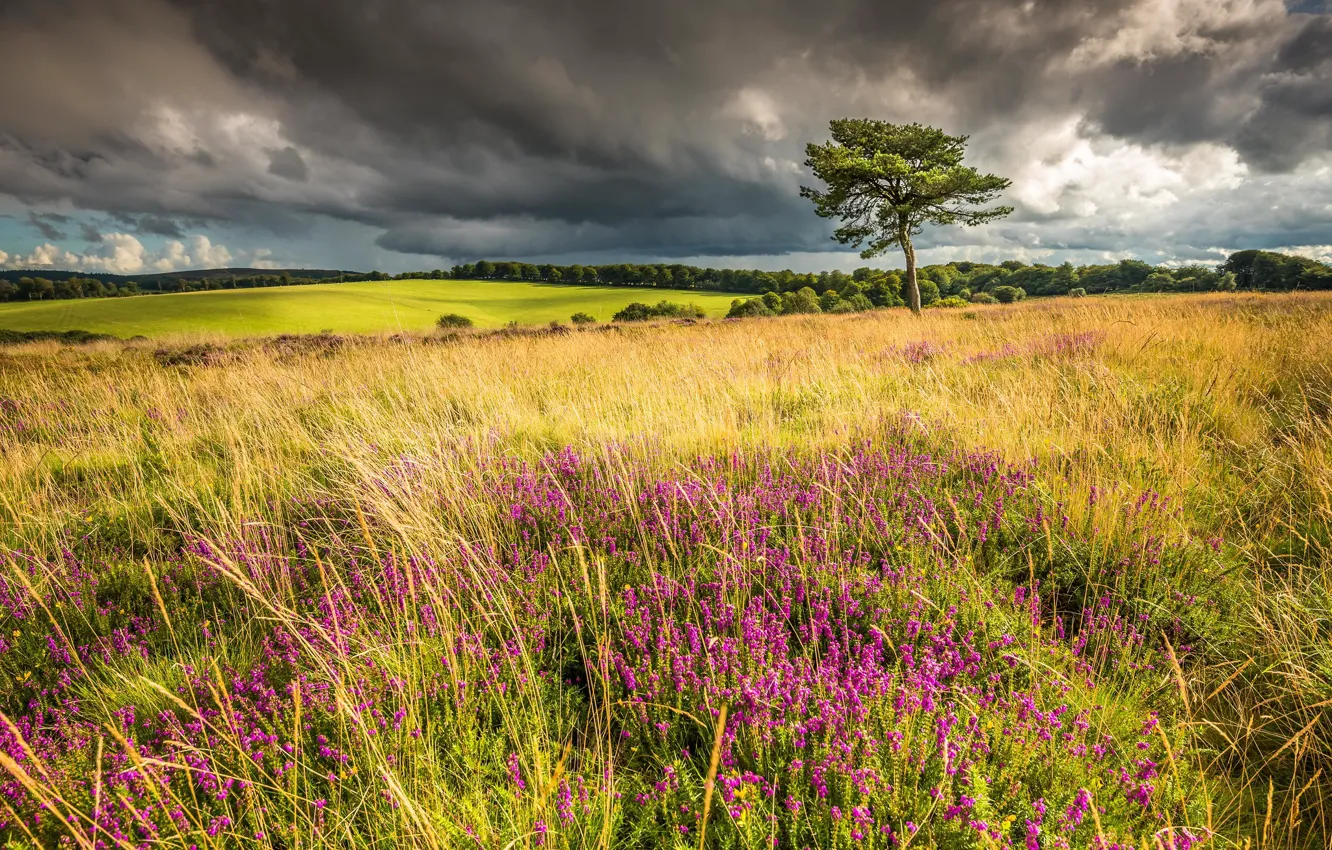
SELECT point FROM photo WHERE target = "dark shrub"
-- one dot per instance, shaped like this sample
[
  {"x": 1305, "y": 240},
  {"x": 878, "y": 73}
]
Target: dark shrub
[
  {"x": 635, "y": 312},
  {"x": 639, "y": 312},
  {"x": 929, "y": 291},
  {"x": 453, "y": 321},
  {"x": 856, "y": 303},
  {"x": 803, "y": 300},
  {"x": 583, "y": 319},
  {"x": 983, "y": 298},
  {"x": 744, "y": 308},
  {"x": 1078, "y": 292},
  {"x": 859, "y": 301},
  {"x": 1009, "y": 294}
]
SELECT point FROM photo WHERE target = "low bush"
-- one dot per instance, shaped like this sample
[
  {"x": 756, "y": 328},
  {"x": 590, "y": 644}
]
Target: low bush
[
  {"x": 802, "y": 301},
  {"x": 1077, "y": 292},
  {"x": 745, "y": 308},
  {"x": 983, "y": 298},
  {"x": 855, "y": 304},
  {"x": 583, "y": 319},
  {"x": 950, "y": 301},
  {"x": 639, "y": 312},
  {"x": 453, "y": 321},
  {"x": 1009, "y": 294}
]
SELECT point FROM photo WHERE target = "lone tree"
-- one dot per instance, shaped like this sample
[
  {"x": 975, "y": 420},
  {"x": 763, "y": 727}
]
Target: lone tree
[{"x": 886, "y": 181}]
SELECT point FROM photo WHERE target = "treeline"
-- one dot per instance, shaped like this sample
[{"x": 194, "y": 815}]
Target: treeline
[
  {"x": 1243, "y": 270},
  {"x": 36, "y": 288},
  {"x": 1252, "y": 270}
]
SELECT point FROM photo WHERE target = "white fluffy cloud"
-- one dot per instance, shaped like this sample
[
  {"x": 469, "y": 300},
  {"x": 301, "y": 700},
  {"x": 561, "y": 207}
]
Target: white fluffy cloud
[
  {"x": 123, "y": 253},
  {"x": 1069, "y": 171},
  {"x": 1155, "y": 29},
  {"x": 175, "y": 255},
  {"x": 1316, "y": 252},
  {"x": 44, "y": 256}
]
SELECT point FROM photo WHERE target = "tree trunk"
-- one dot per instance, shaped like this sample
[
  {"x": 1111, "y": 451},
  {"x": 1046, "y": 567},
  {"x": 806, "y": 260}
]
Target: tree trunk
[{"x": 912, "y": 287}]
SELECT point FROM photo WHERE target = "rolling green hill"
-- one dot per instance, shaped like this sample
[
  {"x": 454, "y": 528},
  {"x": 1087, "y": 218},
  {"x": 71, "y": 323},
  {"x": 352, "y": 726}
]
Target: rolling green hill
[{"x": 408, "y": 305}]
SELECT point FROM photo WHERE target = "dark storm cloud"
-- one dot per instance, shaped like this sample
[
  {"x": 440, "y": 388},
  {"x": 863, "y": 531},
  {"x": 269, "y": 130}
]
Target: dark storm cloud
[
  {"x": 287, "y": 163},
  {"x": 48, "y": 224},
  {"x": 654, "y": 129},
  {"x": 148, "y": 223},
  {"x": 1295, "y": 119}
]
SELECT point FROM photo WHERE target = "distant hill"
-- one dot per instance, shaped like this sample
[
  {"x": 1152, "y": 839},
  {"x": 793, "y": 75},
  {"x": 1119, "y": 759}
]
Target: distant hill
[{"x": 196, "y": 274}]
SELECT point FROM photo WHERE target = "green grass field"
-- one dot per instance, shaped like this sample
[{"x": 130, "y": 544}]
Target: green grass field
[{"x": 399, "y": 305}]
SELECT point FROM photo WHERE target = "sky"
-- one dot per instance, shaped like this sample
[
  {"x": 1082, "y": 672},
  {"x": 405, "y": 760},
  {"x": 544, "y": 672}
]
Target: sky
[{"x": 142, "y": 136}]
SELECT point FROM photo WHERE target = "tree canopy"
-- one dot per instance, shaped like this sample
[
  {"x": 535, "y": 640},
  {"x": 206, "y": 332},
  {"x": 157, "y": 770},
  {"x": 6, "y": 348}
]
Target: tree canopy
[{"x": 887, "y": 181}]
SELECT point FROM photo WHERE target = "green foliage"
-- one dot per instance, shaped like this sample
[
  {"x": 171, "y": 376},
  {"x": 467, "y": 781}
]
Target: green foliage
[
  {"x": 950, "y": 301},
  {"x": 1270, "y": 270},
  {"x": 983, "y": 298},
  {"x": 1009, "y": 294},
  {"x": 640, "y": 312},
  {"x": 854, "y": 304},
  {"x": 453, "y": 321},
  {"x": 801, "y": 301},
  {"x": 1078, "y": 292},
  {"x": 744, "y": 308},
  {"x": 929, "y": 292},
  {"x": 583, "y": 319},
  {"x": 1157, "y": 281},
  {"x": 886, "y": 181},
  {"x": 859, "y": 302}
]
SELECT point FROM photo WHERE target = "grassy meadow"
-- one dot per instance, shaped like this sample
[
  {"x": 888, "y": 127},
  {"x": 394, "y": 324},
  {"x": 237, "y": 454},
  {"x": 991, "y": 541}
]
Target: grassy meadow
[
  {"x": 1047, "y": 575},
  {"x": 369, "y": 307}
]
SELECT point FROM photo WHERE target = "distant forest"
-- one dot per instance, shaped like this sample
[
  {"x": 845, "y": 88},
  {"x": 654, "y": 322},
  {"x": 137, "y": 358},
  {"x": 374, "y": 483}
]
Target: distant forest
[{"x": 1243, "y": 270}]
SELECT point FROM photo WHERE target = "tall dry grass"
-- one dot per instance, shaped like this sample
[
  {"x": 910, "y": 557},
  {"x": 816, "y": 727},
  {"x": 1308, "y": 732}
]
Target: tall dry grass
[{"x": 1221, "y": 402}]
